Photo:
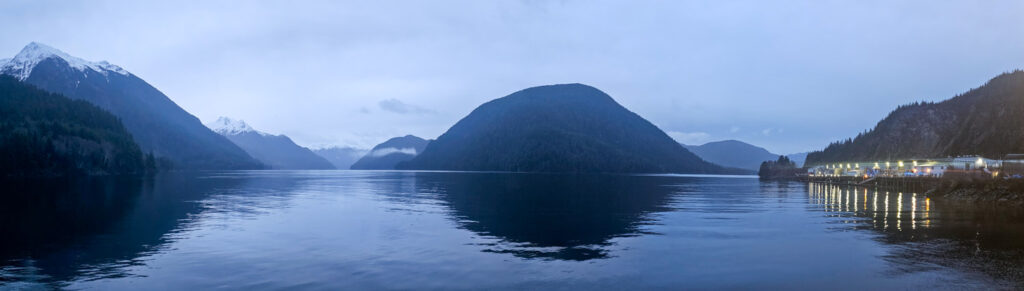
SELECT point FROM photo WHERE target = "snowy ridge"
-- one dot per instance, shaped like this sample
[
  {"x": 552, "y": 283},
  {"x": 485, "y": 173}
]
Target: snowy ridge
[
  {"x": 22, "y": 64},
  {"x": 227, "y": 126}
]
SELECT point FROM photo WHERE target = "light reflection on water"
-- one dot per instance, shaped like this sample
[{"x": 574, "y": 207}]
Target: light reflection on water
[
  {"x": 853, "y": 200},
  {"x": 984, "y": 240}
]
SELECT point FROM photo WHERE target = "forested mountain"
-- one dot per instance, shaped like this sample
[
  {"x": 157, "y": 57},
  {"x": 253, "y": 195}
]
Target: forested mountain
[
  {"x": 274, "y": 151},
  {"x": 987, "y": 121},
  {"x": 387, "y": 155},
  {"x": 157, "y": 123},
  {"x": 341, "y": 157},
  {"x": 558, "y": 128},
  {"x": 45, "y": 134},
  {"x": 733, "y": 153}
]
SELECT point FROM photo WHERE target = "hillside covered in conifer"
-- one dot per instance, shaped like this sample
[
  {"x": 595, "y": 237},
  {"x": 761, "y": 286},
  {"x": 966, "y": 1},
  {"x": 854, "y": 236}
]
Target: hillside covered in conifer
[
  {"x": 45, "y": 134},
  {"x": 558, "y": 128},
  {"x": 984, "y": 121}
]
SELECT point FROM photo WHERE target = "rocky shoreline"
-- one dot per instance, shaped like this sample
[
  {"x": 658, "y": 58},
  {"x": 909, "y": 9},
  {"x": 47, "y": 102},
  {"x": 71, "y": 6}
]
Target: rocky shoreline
[{"x": 999, "y": 195}]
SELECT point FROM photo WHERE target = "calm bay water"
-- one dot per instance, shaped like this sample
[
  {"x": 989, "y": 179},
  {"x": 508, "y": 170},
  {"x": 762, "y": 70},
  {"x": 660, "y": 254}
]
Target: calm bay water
[{"x": 428, "y": 230}]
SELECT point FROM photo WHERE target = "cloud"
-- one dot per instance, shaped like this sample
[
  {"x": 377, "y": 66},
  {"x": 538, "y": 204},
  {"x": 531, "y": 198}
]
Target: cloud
[
  {"x": 387, "y": 151},
  {"x": 734, "y": 129},
  {"x": 318, "y": 63},
  {"x": 397, "y": 106},
  {"x": 690, "y": 138},
  {"x": 766, "y": 131}
]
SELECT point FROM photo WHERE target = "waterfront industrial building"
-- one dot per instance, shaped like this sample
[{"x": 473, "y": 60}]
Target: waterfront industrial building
[{"x": 1009, "y": 164}]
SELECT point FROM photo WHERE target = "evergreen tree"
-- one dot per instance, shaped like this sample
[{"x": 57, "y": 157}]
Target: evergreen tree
[{"x": 45, "y": 134}]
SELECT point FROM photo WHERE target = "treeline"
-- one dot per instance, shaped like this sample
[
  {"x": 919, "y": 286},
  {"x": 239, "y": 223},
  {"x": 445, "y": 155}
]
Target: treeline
[
  {"x": 984, "y": 121},
  {"x": 45, "y": 134},
  {"x": 783, "y": 168}
]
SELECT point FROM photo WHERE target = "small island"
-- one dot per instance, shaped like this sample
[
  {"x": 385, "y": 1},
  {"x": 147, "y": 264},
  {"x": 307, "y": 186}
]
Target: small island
[{"x": 783, "y": 168}]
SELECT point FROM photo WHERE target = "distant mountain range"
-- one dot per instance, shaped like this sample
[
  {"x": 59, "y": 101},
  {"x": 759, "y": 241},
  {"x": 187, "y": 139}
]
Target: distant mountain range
[
  {"x": 388, "y": 154},
  {"x": 798, "y": 158},
  {"x": 45, "y": 134},
  {"x": 738, "y": 154},
  {"x": 558, "y": 128},
  {"x": 987, "y": 121},
  {"x": 274, "y": 151},
  {"x": 733, "y": 153},
  {"x": 341, "y": 157},
  {"x": 158, "y": 125}
]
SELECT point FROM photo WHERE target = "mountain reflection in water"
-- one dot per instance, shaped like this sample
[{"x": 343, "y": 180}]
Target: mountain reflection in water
[
  {"x": 341, "y": 230},
  {"x": 57, "y": 230},
  {"x": 566, "y": 217}
]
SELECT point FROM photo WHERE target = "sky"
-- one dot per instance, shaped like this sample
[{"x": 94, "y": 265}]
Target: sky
[{"x": 790, "y": 76}]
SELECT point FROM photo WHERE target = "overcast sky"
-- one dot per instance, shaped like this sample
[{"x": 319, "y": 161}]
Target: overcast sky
[{"x": 790, "y": 76}]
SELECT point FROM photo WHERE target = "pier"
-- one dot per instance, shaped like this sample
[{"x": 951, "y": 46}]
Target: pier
[{"x": 918, "y": 184}]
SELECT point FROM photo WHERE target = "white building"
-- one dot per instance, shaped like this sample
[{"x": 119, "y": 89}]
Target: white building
[{"x": 910, "y": 167}]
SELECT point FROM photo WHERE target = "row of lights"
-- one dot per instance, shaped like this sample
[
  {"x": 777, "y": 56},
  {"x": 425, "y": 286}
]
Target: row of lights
[
  {"x": 857, "y": 165},
  {"x": 979, "y": 162}
]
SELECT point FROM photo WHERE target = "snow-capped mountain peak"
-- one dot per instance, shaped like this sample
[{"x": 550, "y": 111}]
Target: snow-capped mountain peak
[
  {"x": 22, "y": 64},
  {"x": 227, "y": 126}
]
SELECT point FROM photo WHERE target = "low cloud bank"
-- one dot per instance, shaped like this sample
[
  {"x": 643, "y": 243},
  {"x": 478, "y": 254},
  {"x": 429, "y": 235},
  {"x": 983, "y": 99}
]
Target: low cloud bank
[{"x": 387, "y": 151}]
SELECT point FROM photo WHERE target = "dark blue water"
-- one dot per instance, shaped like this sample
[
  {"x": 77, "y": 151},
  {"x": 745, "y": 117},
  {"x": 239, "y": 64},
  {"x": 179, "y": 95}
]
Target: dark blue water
[{"x": 333, "y": 230}]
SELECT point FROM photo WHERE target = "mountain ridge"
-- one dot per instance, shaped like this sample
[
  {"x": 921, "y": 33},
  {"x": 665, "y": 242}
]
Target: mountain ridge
[
  {"x": 387, "y": 155},
  {"x": 982, "y": 121},
  {"x": 557, "y": 128},
  {"x": 22, "y": 64},
  {"x": 342, "y": 157},
  {"x": 733, "y": 153},
  {"x": 43, "y": 134},
  {"x": 158, "y": 124},
  {"x": 275, "y": 151}
]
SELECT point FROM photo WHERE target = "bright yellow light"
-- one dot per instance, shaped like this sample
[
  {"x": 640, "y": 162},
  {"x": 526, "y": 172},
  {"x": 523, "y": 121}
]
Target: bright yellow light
[
  {"x": 886, "y": 164},
  {"x": 915, "y": 163},
  {"x": 901, "y": 164},
  {"x": 856, "y": 166}
]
